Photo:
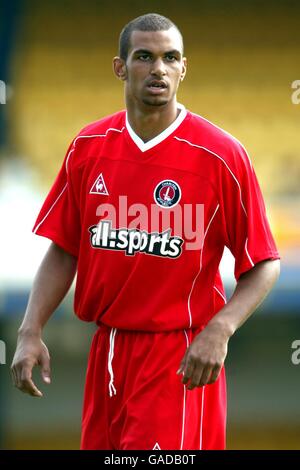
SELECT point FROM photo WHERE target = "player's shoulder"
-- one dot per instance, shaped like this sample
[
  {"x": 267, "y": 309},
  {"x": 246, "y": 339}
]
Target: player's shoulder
[
  {"x": 92, "y": 134},
  {"x": 211, "y": 138},
  {"x": 113, "y": 122}
]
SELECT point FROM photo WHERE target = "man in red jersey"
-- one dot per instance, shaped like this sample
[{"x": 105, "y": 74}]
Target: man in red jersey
[{"x": 143, "y": 206}]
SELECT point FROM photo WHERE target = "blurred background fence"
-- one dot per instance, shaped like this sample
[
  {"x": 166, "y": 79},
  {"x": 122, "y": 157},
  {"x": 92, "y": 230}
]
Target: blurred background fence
[{"x": 55, "y": 63}]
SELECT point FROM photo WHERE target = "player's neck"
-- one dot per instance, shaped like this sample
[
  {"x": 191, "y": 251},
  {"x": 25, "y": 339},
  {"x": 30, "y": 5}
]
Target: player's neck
[{"x": 147, "y": 124}]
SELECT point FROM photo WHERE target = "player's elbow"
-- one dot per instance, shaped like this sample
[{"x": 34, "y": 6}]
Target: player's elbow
[
  {"x": 276, "y": 268},
  {"x": 272, "y": 271}
]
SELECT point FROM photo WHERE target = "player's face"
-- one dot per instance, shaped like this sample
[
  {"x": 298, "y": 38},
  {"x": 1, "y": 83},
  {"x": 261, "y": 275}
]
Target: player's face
[{"x": 154, "y": 67}]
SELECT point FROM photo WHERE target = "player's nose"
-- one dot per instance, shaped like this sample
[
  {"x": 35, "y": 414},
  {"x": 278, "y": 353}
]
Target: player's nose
[{"x": 158, "y": 68}]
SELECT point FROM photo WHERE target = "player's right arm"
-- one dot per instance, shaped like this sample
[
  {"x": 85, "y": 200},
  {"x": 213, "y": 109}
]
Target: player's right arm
[{"x": 52, "y": 281}]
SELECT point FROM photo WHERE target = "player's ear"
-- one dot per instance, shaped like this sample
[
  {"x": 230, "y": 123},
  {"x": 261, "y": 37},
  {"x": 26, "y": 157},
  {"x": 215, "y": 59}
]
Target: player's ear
[
  {"x": 183, "y": 70},
  {"x": 119, "y": 67}
]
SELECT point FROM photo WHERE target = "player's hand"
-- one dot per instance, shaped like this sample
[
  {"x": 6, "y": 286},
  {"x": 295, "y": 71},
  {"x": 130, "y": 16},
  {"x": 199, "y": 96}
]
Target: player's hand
[
  {"x": 31, "y": 351},
  {"x": 204, "y": 358}
]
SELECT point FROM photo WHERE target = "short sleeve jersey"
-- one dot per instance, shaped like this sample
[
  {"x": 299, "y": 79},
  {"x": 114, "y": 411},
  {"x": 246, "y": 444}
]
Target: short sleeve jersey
[{"x": 148, "y": 222}]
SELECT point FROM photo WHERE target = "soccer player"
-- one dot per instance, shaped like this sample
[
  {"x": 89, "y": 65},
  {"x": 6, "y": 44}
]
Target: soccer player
[{"x": 142, "y": 208}]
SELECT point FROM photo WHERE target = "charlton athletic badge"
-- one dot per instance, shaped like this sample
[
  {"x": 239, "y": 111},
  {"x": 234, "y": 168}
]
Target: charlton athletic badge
[{"x": 167, "y": 193}]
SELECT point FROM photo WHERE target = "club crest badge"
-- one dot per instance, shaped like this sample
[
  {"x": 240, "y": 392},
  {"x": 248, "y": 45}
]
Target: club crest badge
[{"x": 167, "y": 194}]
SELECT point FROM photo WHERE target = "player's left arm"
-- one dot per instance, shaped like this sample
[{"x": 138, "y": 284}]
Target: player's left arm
[{"x": 203, "y": 360}]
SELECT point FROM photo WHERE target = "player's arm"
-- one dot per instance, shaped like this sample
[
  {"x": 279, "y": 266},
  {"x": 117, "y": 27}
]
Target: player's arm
[
  {"x": 52, "y": 281},
  {"x": 205, "y": 356}
]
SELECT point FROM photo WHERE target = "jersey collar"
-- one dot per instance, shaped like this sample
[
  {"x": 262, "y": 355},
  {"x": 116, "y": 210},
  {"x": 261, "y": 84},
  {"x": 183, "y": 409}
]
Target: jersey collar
[{"x": 143, "y": 146}]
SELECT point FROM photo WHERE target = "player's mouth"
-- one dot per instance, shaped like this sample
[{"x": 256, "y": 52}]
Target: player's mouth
[{"x": 156, "y": 87}]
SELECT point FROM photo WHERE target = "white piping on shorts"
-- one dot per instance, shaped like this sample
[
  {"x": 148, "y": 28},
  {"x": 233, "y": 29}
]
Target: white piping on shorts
[
  {"x": 184, "y": 400},
  {"x": 111, "y": 387},
  {"x": 184, "y": 407},
  {"x": 201, "y": 422}
]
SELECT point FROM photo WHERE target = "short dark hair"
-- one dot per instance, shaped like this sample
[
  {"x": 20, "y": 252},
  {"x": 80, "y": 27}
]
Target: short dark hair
[{"x": 148, "y": 22}]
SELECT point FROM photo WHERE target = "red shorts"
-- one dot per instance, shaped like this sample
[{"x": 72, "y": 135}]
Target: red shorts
[{"x": 135, "y": 401}]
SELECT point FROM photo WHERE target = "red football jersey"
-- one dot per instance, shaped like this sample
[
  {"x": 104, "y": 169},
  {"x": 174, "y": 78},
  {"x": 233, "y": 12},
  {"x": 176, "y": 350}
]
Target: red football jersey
[{"x": 149, "y": 221}]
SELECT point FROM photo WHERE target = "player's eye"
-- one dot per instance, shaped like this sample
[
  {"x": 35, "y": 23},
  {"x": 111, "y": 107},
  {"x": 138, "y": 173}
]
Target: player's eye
[
  {"x": 171, "y": 58},
  {"x": 144, "y": 57}
]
